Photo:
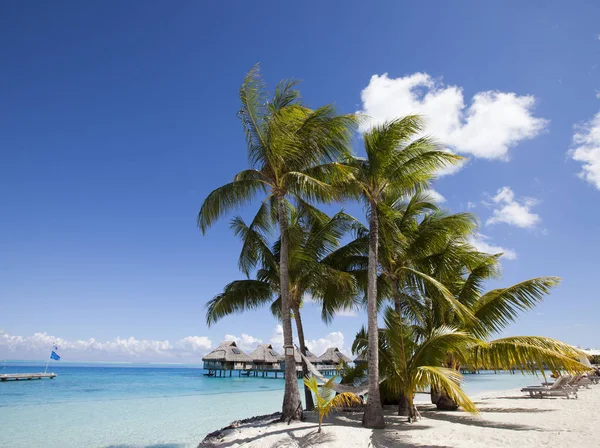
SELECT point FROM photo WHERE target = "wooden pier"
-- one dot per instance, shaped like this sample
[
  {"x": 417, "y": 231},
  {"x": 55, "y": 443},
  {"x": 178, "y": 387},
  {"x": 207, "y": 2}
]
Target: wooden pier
[
  {"x": 264, "y": 373},
  {"x": 25, "y": 376}
]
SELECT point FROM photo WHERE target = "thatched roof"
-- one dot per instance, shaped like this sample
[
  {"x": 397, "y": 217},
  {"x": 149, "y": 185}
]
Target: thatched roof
[
  {"x": 265, "y": 353},
  {"x": 309, "y": 355},
  {"x": 362, "y": 357},
  {"x": 227, "y": 351},
  {"x": 333, "y": 355}
]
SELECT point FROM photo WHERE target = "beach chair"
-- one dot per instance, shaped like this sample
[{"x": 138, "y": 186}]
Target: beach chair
[
  {"x": 581, "y": 381},
  {"x": 559, "y": 388}
]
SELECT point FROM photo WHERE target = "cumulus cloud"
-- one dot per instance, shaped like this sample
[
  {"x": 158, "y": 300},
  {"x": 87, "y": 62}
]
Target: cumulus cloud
[
  {"x": 512, "y": 211},
  {"x": 130, "y": 348},
  {"x": 317, "y": 346},
  {"x": 435, "y": 196},
  {"x": 491, "y": 124},
  {"x": 346, "y": 313},
  {"x": 586, "y": 149},
  {"x": 471, "y": 205},
  {"x": 276, "y": 339},
  {"x": 334, "y": 339},
  {"x": 482, "y": 244},
  {"x": 245, "y": 341}
]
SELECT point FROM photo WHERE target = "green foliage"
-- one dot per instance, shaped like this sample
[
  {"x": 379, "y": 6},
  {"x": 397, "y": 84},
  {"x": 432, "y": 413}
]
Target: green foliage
[{"x": 326, "y": 398}]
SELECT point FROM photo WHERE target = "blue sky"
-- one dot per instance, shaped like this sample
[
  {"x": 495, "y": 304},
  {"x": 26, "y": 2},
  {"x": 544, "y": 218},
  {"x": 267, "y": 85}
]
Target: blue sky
[{"x": 117, "y": 119}]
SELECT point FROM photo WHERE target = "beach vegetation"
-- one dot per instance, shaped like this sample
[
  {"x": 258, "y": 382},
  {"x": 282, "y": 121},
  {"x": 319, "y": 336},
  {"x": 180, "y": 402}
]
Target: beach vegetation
[{"x": 326, "y": 399}]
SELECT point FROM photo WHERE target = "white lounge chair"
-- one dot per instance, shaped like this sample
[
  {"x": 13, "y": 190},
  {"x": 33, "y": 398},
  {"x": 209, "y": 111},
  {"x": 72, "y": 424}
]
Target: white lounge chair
[{"x": 559, "y": 388}]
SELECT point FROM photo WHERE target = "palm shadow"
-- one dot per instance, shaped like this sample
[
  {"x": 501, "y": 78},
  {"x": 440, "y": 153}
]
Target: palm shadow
[{"x": 474, "y": 421}]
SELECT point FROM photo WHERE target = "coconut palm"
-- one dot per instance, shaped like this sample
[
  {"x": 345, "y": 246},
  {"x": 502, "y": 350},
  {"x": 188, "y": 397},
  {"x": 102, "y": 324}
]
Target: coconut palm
[
  {"x": 412, "y": 361},
  {"x": 464, "y": 271},
  {"x": 312, "y": 237},
  {"x": 397, "y": 164},
  {"x": 415, "y": 230},
  {"x": 415, "y": 358},
  {"x": 291, "y": 150}
]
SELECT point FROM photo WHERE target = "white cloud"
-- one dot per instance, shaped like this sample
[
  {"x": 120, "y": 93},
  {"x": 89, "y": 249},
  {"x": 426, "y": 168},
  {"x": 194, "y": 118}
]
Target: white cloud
[
  {"x": 471, "y": 205},
  {"x": 276, "y": 339},
  {"x": 91, "y": 349},
  {"x": 245, "y": 341},
  {"x": 435, "y": 196},
  {"x": 334, "y": 339},
  {"x": 346, "y": 313},
  {"x": 488, "y": 127},
  {"x": 480, "y": 242},
  {"x": 513, "y": 211},
  {"x": 586, "y": 149},
  {"x": 195, "y": 344}
]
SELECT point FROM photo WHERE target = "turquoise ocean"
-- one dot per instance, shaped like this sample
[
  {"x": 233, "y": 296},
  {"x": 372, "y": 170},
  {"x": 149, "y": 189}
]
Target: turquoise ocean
[{"x": 151, "y": 406}]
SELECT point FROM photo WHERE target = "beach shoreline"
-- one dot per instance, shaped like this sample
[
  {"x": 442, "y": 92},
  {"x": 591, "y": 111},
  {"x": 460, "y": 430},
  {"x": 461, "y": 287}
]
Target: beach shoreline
[{"x": 507, "y": 418}]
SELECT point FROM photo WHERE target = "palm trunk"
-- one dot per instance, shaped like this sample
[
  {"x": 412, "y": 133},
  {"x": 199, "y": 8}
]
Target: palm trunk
[
  {"x": 308, "y": 398},
  {"x": 443, "y": 402},
  {"x": 292, "y": 405},
  {"x": 412, "y": 410},
  {"x": 403, "y": 406},
  {"x": 373, "y": 416}
]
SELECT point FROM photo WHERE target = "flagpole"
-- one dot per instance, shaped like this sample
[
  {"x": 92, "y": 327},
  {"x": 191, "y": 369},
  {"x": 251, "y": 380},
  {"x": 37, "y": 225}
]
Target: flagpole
[{"x": 49, "y": 357}]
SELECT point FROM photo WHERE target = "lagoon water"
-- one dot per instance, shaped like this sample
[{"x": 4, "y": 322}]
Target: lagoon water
[{"x": 150, "y": 406}]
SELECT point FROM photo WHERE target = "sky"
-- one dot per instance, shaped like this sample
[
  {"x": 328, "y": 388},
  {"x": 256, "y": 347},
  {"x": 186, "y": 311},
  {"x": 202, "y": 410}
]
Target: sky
[{"x": 118, "y": 118}]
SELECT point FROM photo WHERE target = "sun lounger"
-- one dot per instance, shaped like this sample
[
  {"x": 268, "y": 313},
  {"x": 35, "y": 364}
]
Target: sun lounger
[{"x": 559, "y": 388}]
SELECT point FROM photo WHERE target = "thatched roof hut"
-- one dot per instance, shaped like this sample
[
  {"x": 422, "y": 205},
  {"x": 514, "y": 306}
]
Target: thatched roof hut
[
  {"x": 309, "y": 355},
  {"x": 226, "y": 356},
  {"x": 264, "y": 354},
  {"x": 362, "y": 357},
  {"x": 333, "y": 356}
]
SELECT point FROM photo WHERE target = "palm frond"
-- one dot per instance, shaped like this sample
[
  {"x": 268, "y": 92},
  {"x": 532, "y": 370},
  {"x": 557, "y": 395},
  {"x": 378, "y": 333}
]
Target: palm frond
[
  {"x": 226, "y": 198},
  {"x": 447, "y": 380},
  {"x": 499, "y": 307},
  {"x": 238, "y": 296}
]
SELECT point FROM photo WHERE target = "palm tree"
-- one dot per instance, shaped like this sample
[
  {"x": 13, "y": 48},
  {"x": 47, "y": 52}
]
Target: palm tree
[
  {"x": 291, "y": 150},
  {"x": 412, "y": 361},
  {"x": 396, "y": 164},
  {"x": 414, "y": 358},
  {"x": 415, "y": 230},
  {"x": 463, "y": 271},
  {"x": 312, "y": 237}
]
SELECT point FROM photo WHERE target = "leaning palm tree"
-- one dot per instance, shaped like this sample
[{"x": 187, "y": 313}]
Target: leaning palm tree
[
  {"x": 396, "y": 164},
  {"x": 291, "y": 150},
  {"x": 415, "y": 358},
  {"x": 464, "y": 271},
  {"x": 312, "y": 237}
]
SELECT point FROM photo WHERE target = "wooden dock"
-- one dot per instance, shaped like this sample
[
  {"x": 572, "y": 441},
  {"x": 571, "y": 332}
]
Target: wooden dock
[
  {"x": 25, "y": 376},
  {"x": 264, "y": 373}
]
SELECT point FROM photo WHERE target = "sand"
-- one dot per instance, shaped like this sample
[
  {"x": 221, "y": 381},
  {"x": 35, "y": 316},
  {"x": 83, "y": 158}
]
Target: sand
[{"x": 507, "y": 419}]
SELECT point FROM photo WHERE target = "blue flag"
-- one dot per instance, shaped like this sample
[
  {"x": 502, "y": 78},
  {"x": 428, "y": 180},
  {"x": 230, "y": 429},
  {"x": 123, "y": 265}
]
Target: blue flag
[{"x": 54, "y": 356}]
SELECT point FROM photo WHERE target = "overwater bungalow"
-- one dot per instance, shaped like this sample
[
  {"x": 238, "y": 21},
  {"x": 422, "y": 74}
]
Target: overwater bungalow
[
  {"x": 332, "y": 356},
  {"x": 314, "y": 359},
  {"x": 360, "y": 359},
  {"x": 266, "y": 358},
  {"x": 227, "y": 356}
]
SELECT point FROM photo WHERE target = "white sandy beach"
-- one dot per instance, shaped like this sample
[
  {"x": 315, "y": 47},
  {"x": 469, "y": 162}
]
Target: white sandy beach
[{"x": 507, "y": 419}]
